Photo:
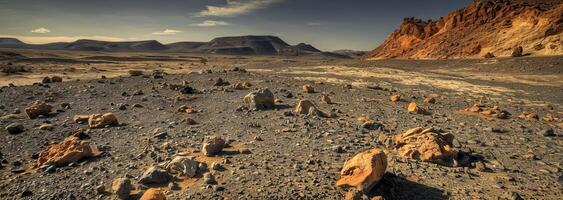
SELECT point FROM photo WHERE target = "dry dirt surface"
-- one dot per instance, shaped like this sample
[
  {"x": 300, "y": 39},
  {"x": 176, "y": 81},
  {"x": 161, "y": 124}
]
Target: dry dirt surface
[{"x": 151, "y": 136}]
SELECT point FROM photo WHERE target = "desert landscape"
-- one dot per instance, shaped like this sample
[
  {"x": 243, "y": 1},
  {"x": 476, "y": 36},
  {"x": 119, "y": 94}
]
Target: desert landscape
[{"x": 435, "y": 112}]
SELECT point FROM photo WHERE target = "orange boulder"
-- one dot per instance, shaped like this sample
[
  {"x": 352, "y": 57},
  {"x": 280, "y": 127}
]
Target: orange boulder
[
  {"x": 38, "y": 108},
  {"x": 363, "y": 171},
  {"x": 71, "y": 149},
  {"x": 102, "y": 120},
  {"x": 153, "y": 194}
]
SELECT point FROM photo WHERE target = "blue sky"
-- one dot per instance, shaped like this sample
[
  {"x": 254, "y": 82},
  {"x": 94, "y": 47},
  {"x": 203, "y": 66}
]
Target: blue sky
[{"x": 326, "y": 24}]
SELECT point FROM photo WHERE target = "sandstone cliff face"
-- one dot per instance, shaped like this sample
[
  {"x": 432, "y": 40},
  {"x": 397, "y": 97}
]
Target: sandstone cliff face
[{"x": 496, "y": 26}]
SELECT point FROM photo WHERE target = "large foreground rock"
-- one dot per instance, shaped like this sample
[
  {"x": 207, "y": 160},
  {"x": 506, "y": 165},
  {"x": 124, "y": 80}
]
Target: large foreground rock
[
  {"x": 426, "y": 145},
  {"x": 363, "y": 171},
  {"x": 261, "y": 99},
  {"x": 71, "y": 149},
  {"x": 38, "y": 108},
  {"x": 102, "y": 120}
]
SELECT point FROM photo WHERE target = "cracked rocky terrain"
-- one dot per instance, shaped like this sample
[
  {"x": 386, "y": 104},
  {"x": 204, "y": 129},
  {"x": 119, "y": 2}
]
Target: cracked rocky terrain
[{"x": 213, "y": 131}]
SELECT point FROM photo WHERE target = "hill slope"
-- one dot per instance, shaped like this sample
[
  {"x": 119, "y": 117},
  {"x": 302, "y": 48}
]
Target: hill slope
[{"x": 496, "y": 26}]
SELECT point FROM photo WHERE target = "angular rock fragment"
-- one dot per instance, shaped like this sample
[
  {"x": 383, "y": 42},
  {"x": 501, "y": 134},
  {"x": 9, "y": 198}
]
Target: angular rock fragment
[
  {"x": 261, "y": 99},
  {"x": 326, "y": 99},
  {"x": 155, "y": 175},
  {"x": 518, "y": 52},
  {"x": 102, "y": 120},
  {"x": 307, "y": 107},
  {"x": 80, "y": 118},
  {"x": 15, "y": 128},
  {"x": 38, "y": 108},
  {"x": 363, "y": 171},
  {"x": 414, "y": 108},
  {"x": 308, "y": 89},
  {"x": 529, "y": 116},
  {"x": 395, "y": 98},
  {"x": 429, "y": 100},
  {"x": 56, "y": 79},
  {"x": 71, "y": 149},
  {"x": 153, "y": 194},
  {"x": 213, "y": 145},
  {"x": 121, "y": 187},
  {"x": 183, "y": 165},
  {"x": 425, "y": 145}
]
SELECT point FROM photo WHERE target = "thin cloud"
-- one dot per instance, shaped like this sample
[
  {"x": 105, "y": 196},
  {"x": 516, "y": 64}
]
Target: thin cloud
[
  {"x": 316, "y": 24},
  {"x": 211, "y": 23},
  {"x": 236, "y": 7},
  {"x": 167, "y": 32},
  {"x": 41, "y": 30},
  {"x": 50, "y": 39}
]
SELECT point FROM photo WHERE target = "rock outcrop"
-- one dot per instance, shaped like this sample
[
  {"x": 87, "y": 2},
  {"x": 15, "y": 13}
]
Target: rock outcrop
[
  {"x": 497, "y": 27},
  {"x": 71, "y": 149},
  {"x": 425, "y": 145}
]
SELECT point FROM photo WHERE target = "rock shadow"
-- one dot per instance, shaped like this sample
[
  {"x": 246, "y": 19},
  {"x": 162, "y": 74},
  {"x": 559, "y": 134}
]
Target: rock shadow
[{"x": 395, "y": 187}]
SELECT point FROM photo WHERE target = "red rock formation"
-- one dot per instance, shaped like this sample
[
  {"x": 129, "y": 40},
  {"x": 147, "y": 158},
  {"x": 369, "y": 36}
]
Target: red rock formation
[{"x": 482, "y": 27}]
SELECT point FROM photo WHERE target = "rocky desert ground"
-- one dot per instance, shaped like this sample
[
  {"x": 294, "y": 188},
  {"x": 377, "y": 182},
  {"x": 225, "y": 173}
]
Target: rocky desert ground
[{"x": 91, "y": 125}]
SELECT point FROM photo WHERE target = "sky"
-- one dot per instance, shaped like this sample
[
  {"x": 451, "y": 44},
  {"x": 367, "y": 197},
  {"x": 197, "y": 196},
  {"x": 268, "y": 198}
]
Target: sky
[{"x": 326, "y": 24}]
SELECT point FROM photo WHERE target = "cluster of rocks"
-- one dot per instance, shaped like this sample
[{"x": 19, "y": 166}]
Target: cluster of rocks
[
  {"x": 53, "y": 79},
  {"x": 97, "y": 120},
  {"x": 488, "y": 112}
]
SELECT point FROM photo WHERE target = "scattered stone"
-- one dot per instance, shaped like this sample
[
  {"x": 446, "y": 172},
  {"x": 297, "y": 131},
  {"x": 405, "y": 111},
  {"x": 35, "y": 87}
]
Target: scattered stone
[
  {"x": 363, "y": 171},
  {"x": 38, "y": 108},
  {"x": 430, "y": 100},
  {"x": 46, "y": 80},
  {"x": 71, "y": 149},
  {"x": 102, "y": 120},
  {"x": 183, "y": 166},
  {"x": 135, "y": 72},
  {"x": 208, "y": 178},
  {"x": 529, "y": 116},
  {"x": 212, "y": 145},
  {"x": 48, "y": 127},
  {"x": 238, "y": 86},
  {"x": 261, "y": 99},
  {"x": 244, "y": 151},
  {"x": 518, "y": 52},
  {"x": 426, "y": 145},
  {"x": 217, "y": 166},
  {"x": 155, "y": 175},
  {"x": 307, "y": 107},
  {"x": 56, "y": 79},
  {"x": 153, "y": 194},
  {"x": 548, "y": 133},
  {"x": 414, "y": 108},
  {"x": 189, "y": 121},
  {"x": 308, "y": 89},
  {"x": 80, "y": 118},
  {"x": 221, "y": 82},
  {"x": 326, "y": 99},
  {"x": 489, "y": 55},
  {"x": 121, "y": 187},
  {"x": 395, "y": 98},
  {"x": 15, "y": 128}
]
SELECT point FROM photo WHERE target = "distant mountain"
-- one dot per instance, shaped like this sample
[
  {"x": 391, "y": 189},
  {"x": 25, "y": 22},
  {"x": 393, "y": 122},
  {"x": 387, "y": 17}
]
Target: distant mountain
[
  {"x": 185, "y": 46},
  {"x": 238, "y": 45},
  {"x": 487, "y": 26},
  {"x": 255, "y": 45},
  {"x": 349, "y": 52},
  {"x": 93, "y": 45},
  {"x": 10, "y": 41}
]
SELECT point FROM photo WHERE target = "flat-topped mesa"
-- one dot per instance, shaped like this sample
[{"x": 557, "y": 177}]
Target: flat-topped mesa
[{"x": 496, "y": 26}]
